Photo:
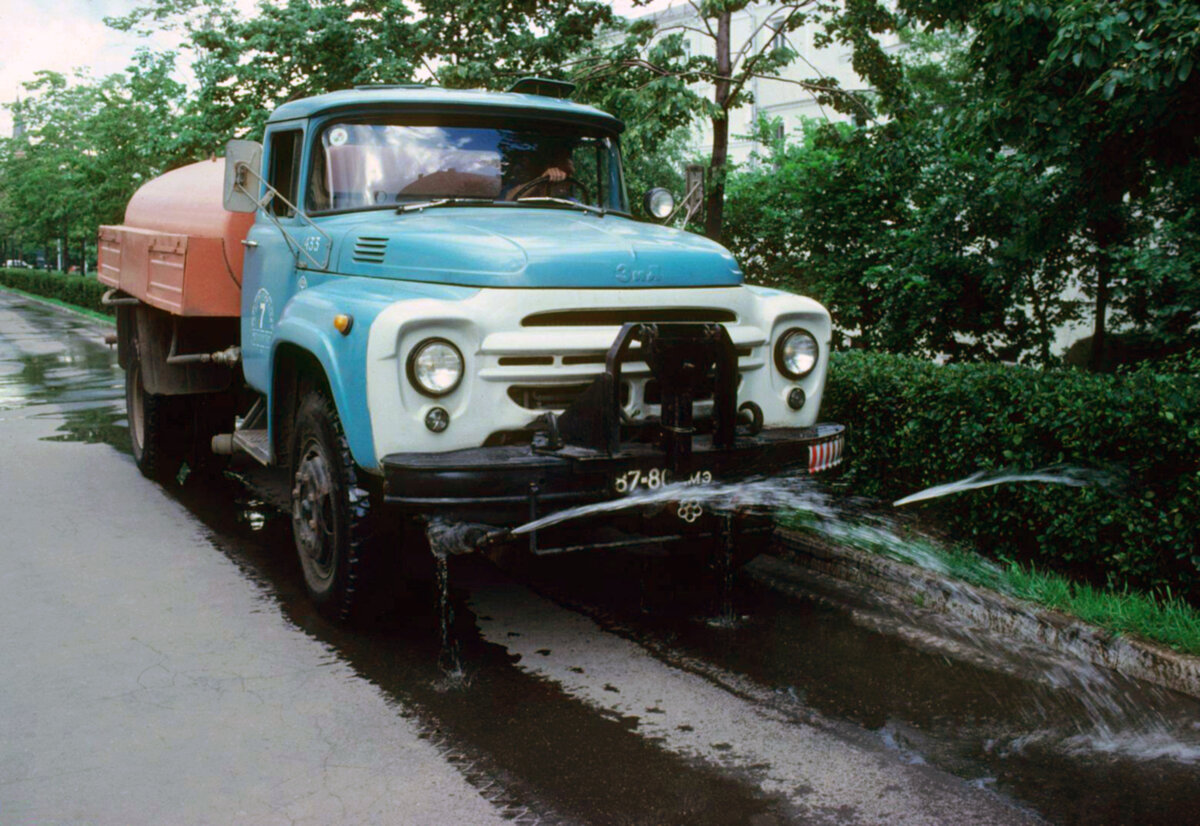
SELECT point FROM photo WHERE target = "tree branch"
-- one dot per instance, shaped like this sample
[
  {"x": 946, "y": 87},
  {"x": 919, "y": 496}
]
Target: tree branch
[
  {"x": 742, "y": 51},
  {"x": 753, "y": 60},
  {"x": 681, "y": 27},
  {"x": 703, "y": 19},
  {"x": 813, "y": 88}
]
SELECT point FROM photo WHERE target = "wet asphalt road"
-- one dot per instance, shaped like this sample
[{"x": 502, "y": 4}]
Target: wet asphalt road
[{"x": 161, "y": 666}]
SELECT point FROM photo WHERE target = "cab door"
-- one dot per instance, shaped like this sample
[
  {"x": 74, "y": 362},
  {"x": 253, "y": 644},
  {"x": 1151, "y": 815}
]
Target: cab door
[{"x": 269, "y": 274}]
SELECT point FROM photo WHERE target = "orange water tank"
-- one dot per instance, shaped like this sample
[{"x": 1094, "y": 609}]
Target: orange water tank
[{"x": 179, "y": 249}]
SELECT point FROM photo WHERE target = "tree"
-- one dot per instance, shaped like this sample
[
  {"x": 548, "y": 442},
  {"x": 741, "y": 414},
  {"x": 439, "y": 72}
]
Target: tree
[
  {"x": 918, "y": 238},
  {"x": 247, "y": 67},
  {"x": 1157, "y": 290},
  {"x": 491, "y": 43},
  {"x": 88, "y": 145},
  {"x": 1099, "y": 95},
  {"x": 914, "y": 245}
]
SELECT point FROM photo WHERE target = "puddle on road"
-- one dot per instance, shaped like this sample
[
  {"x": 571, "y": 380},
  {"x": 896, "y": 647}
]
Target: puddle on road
[
  {"x": 79, "y": 371},
  {"x": 94, "y": 425}
]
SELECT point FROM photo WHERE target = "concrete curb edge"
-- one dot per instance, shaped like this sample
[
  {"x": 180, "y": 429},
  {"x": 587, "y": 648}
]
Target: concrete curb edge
[{"x": 859, "y": 575}]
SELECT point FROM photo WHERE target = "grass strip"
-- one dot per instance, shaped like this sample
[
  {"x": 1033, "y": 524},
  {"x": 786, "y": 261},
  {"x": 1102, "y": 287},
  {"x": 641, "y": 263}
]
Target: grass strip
[
  {"x": 1162, "y": 618},
  {"x": 74, "y": 308}
]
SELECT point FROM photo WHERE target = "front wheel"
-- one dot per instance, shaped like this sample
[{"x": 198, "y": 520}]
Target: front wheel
[{"x": 334, "y": 529}]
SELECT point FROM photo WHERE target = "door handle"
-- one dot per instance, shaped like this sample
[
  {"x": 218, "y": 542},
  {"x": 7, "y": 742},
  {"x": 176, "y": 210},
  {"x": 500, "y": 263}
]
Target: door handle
[{"x": 246, "y": 243}]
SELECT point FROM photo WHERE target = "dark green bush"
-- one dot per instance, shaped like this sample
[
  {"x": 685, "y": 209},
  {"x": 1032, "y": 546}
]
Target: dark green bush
[
  {"x": 914, "y": 424},
  {"x": 81, "y": 290}
]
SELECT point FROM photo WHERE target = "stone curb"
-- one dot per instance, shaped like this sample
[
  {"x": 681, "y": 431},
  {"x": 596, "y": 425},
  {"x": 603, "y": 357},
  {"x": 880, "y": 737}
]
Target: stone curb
[{"x": 862, "y": 576}]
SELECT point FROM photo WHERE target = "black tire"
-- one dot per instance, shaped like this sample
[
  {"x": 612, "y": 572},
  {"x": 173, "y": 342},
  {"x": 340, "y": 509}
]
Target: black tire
[
  {"x": 335, "y": 532},
  {"x": 153, "y": 429}
]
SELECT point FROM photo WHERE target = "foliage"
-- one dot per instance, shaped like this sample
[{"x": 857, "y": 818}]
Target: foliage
[
  {"x": 916, "y": 238},
  {"x": 914, "y": 243},
  {"x": 88, "y": 145},
  {"x": 247, "y": 67},
  {"x": 1155, "y": 287},
  {"x": 75, "y": 290},
  {"x": 916, "y": 424},
  {"x": 1100, "y": 98}
]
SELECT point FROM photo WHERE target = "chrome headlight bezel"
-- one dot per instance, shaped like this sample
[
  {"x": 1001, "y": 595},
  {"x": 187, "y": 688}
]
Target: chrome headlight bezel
[
  {"x": 785, "y": 357},
  {"x": 416, "y": 371},
  {"x": 659, "y": 203}
]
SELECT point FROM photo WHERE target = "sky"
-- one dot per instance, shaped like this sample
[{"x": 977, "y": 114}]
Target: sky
[{"x": 64, "y": 35}]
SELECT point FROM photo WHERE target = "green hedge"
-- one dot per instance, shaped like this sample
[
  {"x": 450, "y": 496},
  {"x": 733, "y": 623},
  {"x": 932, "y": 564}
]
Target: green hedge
[
  {"x": 914, "y": 424},
  {"x": 81, "y": 290}
]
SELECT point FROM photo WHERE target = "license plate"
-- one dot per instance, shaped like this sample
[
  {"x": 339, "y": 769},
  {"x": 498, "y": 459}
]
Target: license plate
[{"x": 632, "y": 481}]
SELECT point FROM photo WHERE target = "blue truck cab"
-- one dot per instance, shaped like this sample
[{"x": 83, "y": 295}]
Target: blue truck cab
[{"x": 449, "y": 313}]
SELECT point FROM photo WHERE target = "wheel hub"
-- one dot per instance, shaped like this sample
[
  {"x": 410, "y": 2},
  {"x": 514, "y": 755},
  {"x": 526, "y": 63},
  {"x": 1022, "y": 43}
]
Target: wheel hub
[{"x": 312, "y": 512}]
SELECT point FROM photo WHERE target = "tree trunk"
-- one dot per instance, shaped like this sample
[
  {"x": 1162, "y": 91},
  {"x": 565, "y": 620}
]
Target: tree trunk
[
  {"x": 1103, "y": 265},
  {"x": 1045, "y": 334},
  {"x": 715, "y": 207},
  {"x": 1107, "y": 231}
]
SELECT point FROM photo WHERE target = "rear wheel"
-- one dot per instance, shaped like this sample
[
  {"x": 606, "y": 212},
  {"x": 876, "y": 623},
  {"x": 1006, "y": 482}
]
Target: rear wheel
[
  {"x": 152, "y": 428},
  {"x": 341, "y": 550}
]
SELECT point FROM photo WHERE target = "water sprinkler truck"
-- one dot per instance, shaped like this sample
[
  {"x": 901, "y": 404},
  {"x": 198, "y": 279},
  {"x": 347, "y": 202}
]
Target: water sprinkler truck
[{"x": 412, "y": 305}]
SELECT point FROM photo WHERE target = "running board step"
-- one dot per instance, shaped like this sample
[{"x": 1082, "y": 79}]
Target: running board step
[{"x": 256, "y": 443}]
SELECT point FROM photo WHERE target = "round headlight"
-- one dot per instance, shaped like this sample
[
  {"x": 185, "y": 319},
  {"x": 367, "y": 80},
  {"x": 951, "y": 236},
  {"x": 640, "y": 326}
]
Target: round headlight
[
  {"x": 435, "y": 367},
  {"x": 660, "y": 203},
  {"x": 796, "y": 353}
]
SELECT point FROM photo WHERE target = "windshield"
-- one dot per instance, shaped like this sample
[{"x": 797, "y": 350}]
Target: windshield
[{"x": 373, "y": 164}]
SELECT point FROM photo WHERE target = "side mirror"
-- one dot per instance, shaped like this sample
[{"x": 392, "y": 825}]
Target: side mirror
[
  {"x": 243, "y": 159},
  {"x": 659, "y": 203}
]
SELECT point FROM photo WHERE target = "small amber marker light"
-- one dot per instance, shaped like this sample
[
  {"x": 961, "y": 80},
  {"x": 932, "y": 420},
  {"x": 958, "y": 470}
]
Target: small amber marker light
[{"x": 343, "y": 323}]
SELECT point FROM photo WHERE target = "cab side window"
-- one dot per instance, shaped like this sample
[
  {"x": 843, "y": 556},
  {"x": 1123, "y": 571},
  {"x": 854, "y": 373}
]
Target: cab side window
[{"x": 285, "y": 170}]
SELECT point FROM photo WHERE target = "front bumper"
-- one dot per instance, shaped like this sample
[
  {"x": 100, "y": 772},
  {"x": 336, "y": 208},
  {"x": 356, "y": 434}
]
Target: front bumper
[{"x": 507, "y": 486}]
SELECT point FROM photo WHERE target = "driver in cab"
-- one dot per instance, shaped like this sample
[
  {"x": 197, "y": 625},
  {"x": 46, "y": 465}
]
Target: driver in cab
[{"x": 546, "y": 174}]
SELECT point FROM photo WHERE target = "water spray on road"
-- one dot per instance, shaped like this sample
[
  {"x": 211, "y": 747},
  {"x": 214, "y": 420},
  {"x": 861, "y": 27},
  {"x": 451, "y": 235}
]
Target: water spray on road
[
  {"x": 1120, "y": 718},
  {"x": 447, "y": 539}
]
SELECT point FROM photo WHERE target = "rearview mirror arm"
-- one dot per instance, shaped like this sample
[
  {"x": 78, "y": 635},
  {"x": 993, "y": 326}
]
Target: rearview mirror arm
[{"x": 242, "y": 172}]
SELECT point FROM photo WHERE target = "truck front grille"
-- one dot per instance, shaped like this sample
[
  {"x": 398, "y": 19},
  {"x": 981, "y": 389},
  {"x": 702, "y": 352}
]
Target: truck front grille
[
  {"x": 602, "y": 358},
  {"x": 557, "y": 354},
  {"x": 553, "y": 397},
  {"x": 624, "y": 315}
]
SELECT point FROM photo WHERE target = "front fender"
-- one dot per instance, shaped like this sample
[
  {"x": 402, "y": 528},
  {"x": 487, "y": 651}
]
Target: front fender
[{"x": 306, "y": 322}]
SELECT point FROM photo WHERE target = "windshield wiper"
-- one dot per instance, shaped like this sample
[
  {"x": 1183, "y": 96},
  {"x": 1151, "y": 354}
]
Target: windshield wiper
[
  {"x": 440, "y": 202},
  {"x": 564, "y": 201},
  {"x": 457, "y": 201}
]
